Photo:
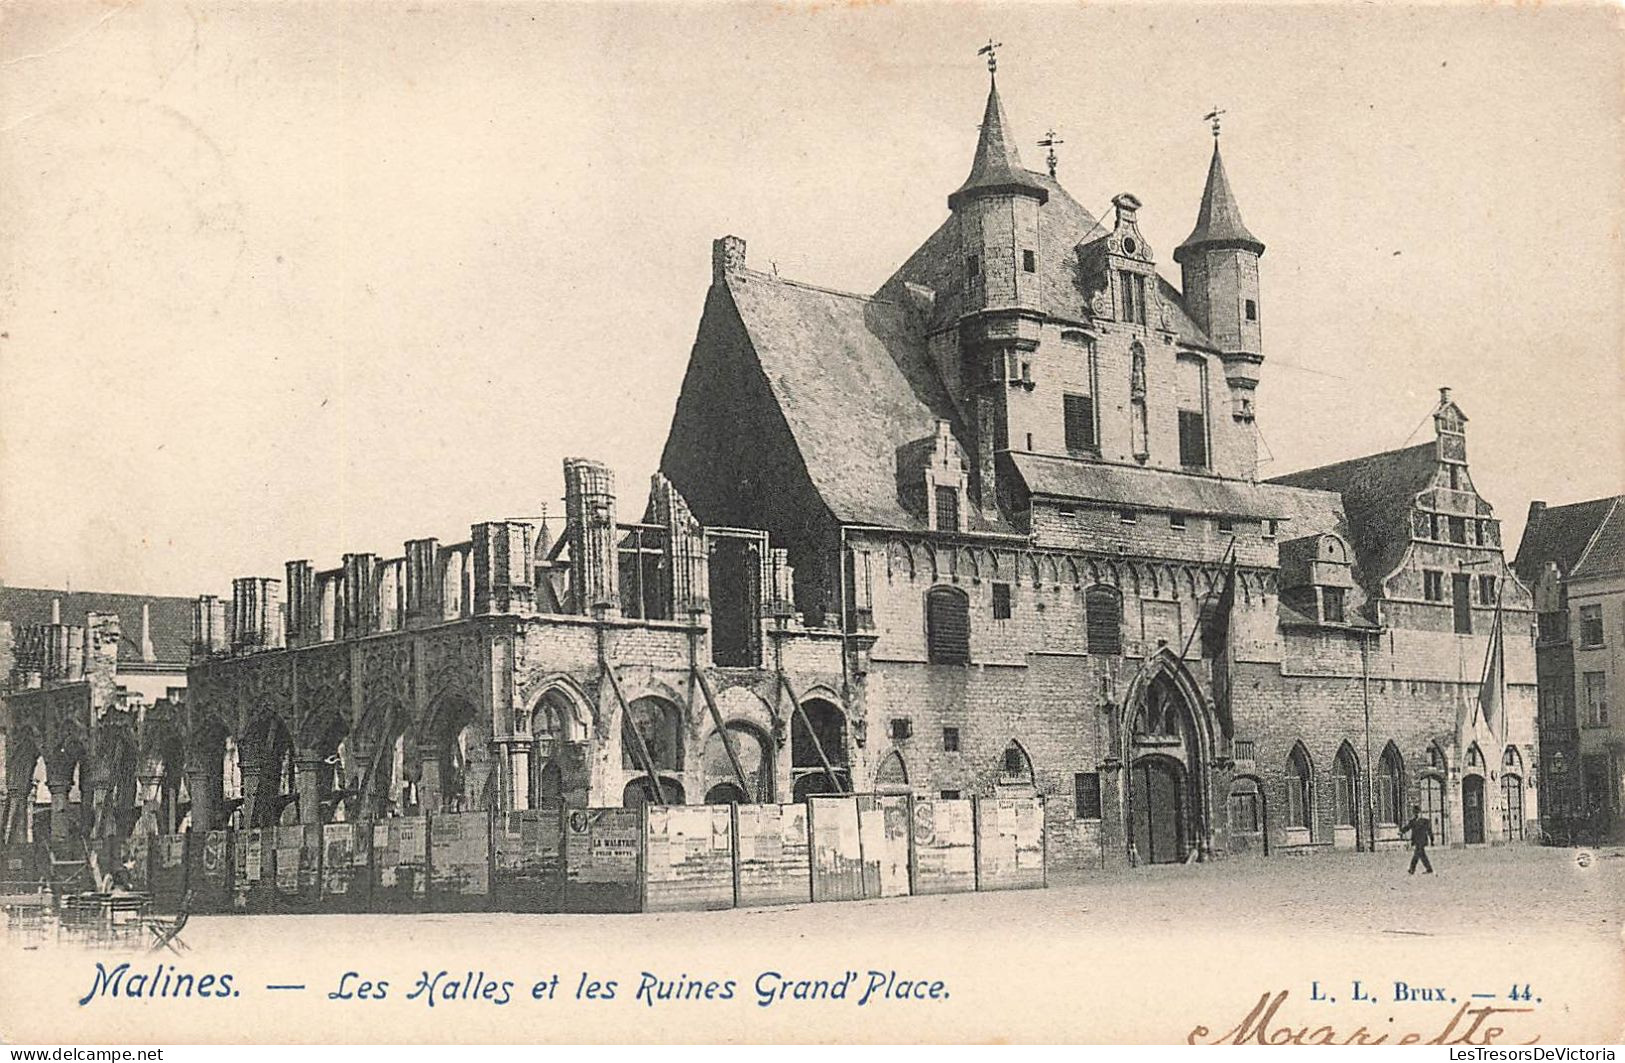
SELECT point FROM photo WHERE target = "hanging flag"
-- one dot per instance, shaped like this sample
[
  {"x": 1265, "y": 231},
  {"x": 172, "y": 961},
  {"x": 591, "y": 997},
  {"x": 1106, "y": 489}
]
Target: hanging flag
[
  {"x": 1217, "y": 638},
  {"x": 1490, "y": 688}
]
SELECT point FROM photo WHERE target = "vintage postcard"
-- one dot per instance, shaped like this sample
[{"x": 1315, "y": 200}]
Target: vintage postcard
[{"x": 696, "y": 522}]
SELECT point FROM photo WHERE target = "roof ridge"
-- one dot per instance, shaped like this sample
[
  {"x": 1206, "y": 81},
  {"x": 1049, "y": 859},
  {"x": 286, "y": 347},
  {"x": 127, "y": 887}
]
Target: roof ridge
[
  {"x": 1346, "y": 461},
  {"x": 1596, "y": 533},
  {"x": 775, "y": 278}
]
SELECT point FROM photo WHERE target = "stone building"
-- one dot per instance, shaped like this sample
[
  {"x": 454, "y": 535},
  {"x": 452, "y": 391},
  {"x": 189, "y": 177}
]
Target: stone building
[
  {"x": 1026, "y": 467},
  {"x": 1573, "y": 558},
  {"x": 78, "y": 668},
  {"x": 625, "y": 662},
  {"x": 996, "y": 528}
]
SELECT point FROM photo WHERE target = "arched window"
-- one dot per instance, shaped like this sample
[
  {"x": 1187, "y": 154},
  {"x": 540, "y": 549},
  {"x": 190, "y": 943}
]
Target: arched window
[
  {"x": 1475, "y": 759},
  {"x": 1389, "y": 786},
  {"x": 657, "y": 721},
  {"x": 1430, "y": 793},
  {"x": 752, "y": 749},
  {"x": 947, "y": 626},
  {"x": 1015, "y": 767},
  {"x": 1345, "y": 788},
  {"x": 1512, "y": 795},
  {"x": 1103, "y": 610},
  {"x": 806, "y": 769},
  {"x": 892, "y": 775},
  {"x": 641, "y": 791},
  {"x": 1300, "y": 788}
]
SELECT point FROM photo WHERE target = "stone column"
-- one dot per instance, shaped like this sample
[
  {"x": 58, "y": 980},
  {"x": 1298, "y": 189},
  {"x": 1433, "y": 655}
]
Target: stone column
[
  {"x": 60, "y": 784},
  {"x": 204, "y": 787},
  {"x": 307, "y": 774},
  {"x": 517, "y": 790},
  {"x": 430, "y": 798},
  {"x": 1113, "y": 828}
]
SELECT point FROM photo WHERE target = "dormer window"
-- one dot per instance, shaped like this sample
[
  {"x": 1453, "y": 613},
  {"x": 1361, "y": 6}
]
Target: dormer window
[{"x": 1132, "y": 286}]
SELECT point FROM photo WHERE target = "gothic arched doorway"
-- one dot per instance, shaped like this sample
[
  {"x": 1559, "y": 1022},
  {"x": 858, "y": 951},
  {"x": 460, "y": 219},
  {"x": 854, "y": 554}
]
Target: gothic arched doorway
[
  {"x": 1472, "y": 809},
  {"x": 1166, "y": 813}
]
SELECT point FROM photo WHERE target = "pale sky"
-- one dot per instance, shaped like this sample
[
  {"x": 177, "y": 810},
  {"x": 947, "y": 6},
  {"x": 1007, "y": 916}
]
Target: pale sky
[{"x": 285, "y": 281}]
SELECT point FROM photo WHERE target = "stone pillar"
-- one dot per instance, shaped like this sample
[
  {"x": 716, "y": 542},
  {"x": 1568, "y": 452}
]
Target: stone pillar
[
  {"x": 589, "y": 503},
  {"x": 60, "y": 783},
  {"x": 303, "y": 613},
  {"x": 204, "y": 786},
  {"x": 430, "y": 797},
  {"x": 19, "y": 808},
  {"x": 1113, "y": 827},
  {"x": 307, "y": 777},
  {"x": 516, "y": 764}
]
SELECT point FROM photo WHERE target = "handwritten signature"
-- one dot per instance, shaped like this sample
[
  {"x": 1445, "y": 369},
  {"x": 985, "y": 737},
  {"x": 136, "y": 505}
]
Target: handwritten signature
[{"x": 1264, "y": 1026}]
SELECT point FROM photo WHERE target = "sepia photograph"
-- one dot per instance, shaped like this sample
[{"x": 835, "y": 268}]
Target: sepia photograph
[{"x": 811, "y": 523}]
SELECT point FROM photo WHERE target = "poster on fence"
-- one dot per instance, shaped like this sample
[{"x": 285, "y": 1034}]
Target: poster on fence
[
  {"x": 602, "y": 853},
  {"x": 944, "y": 845},
  {"x": 528, "y": 861},
  {"x": 773, "y": 855},
  {"x": 400, "y": 870},
  {"x": 837, "y": 849},
  {"x": 1009, "y": 843},
  {"x": 688, "y": 863},
  {"x": 460, "y": 859}
]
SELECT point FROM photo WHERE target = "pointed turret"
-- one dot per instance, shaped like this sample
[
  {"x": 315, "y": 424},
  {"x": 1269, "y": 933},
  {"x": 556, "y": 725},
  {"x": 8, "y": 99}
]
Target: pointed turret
[
  {"x": 1218, "y": 222},
  {"x": 1219, "y": 264},
  {"x": 996, "y": 169}
]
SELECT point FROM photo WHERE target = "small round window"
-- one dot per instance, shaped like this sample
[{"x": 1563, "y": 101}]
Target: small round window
[{"x": 1129, "y": 246}]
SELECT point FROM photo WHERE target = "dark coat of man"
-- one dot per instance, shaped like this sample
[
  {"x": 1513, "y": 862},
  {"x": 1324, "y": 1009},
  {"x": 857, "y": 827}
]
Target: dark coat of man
[{"x": 1420, "y": 830}]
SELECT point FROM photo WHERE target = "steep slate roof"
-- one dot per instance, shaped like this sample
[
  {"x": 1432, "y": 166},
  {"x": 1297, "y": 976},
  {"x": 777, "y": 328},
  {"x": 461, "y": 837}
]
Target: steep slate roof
[
  {"x": 1379, "y": 492},
  {"x": 851, "y": 375},
  {"x": 1607, "y": 550},
  {"x": 1562, "y": 534},
  {"x": 171, "y": 618},
  {"x": 1218, "y": 220},
  {"x": 1064, "y": 225}
]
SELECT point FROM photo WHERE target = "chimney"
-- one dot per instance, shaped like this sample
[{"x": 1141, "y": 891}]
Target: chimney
[
  {"x": 147, "y": 652},
  {"x": 727, "y": 257},
  {"x": 1127, "y": 205},
  {"x": 56, "y": 610}
]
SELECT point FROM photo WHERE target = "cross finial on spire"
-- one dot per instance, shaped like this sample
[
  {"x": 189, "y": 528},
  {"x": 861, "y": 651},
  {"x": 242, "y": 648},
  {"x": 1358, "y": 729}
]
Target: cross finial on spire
[
  {"x": 991, "y": 50},
  {"x": 1213, "y": 117},
  {"x": 1050, "y": 141}
]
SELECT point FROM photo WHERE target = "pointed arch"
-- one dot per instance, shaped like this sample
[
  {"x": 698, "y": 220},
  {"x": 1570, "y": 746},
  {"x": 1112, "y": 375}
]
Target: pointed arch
[
  {"x": 892, "y": 774},
  {"x": 1346, "y": 787},
  {"x": 1388, "y": 786},
  {"x": 1300, "y": 788},
  {"x": 1015, "y": 765}
]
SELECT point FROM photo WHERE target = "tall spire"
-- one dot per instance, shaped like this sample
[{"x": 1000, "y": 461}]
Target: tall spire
[
  {"x": 997, "y": 167},
  {"x": 1218, "y": 223}
]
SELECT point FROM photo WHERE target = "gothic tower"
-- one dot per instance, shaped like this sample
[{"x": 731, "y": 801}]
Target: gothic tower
[
  {"x": 997, "y": 210},
  {"x": 1219, "y": 264}
]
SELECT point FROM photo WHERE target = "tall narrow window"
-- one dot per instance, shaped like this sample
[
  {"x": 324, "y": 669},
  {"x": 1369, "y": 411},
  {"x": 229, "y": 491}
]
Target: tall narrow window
[
  {"x": 947, "y": 626},
  {"x": 1596, "y": 684},
  {"x": 1078, "y": 413},
  {"x": 1300, "y": 792},
  {"x": 1461, "y": 602},
  {"x": 1191, "y": 395},
  {"x": 1001, "y": 601},
  {"x": 1389, "y": 786},
  {"x": 1486, "y": 590},
  {"x": 1345, "y": 788},
  {"x": 1332, "y": 599},
  {"x": 1086, "y": 791},
  {"x": 1591, "y": 626},
  {"x": 1029, "y": 262},
  {"x": 947, "y": 509},
  {"x": 1252, "y": 310},
  {"x": 1125, "y": 281},
  {"x": 1103, "y": 608},
  {"x": 1433, "y": 586}
]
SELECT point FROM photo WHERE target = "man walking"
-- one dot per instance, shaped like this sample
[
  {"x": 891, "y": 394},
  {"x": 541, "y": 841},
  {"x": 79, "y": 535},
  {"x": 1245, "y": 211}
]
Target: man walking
[{"x": 1420, "y": 828}]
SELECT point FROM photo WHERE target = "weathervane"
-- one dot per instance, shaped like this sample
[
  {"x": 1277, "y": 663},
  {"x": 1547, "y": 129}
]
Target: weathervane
[
  {"x": 991, "y": 50},
  {"x": 1213, "y": 116},
  {"x": 1050, "y": 141}
]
